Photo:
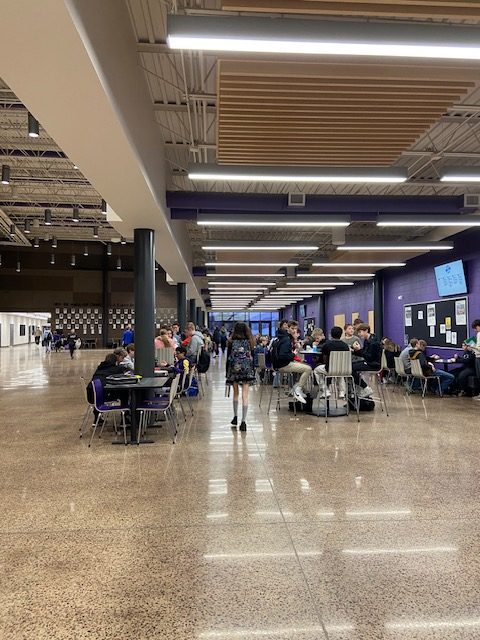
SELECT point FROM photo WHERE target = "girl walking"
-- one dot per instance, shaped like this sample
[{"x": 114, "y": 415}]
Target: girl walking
[{"x": 240, "y": 369}]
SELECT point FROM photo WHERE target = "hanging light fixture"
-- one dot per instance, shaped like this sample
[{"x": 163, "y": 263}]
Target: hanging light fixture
[
  {"x": 122, "y": 240},
  {"x": 73, "y": 260},
  {"x": 54, "y": 243},
  {"x": 119, "y": 263},
  {"x": 85, "y": 250},
  {"x": 52, "y": 259},
  {"x": 109, "y": 249},
  {"x": 104, "y": 207},
  {"x": 12, "y": 230},
  {"x": 95, "y": 232},
  {"x": 5, "y": 174},
  {"x": 18, "y": 266},
  {"x": 26, "y": 226},
  {"x": 36, "y": 242},
  {"x": 76, "y": 214},
  {"x": 48, "y": 217},
  {"x": 33, "y": 126}
]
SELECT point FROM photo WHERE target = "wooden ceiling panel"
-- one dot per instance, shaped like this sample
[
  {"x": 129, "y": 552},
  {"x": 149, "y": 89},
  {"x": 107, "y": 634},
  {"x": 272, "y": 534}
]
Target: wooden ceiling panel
[
  {"x": 270, "y": 113},
  {"x": 452, "y": 10}
]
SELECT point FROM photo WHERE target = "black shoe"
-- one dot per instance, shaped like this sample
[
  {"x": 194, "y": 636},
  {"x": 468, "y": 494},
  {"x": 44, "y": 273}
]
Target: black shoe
[
  {"x": 234, "y": 422},
  {"x": 243, "y": 426}
]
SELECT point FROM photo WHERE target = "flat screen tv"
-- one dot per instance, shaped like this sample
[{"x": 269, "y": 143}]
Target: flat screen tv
[{"x": 451, "y": 278}]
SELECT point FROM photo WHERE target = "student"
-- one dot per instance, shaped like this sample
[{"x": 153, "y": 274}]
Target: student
[
  {"x": 283, "y": 359},
  {"x": 371, "y": 354},
  {"x": 129, "y": 360},
  {"x": 223, "y": 338},
  {"x": 392, "y": 351},
  {"x": 349, "y": 338},
  {"x": 335, "y": 343},
  {"x": 466, "y": 369},
  {"x": 405, "y": 354},
  {"x": 261, "y": 347},
  {"x": 38, "y": 335},
  {"x": 72, "y": 343},
  {"x": 476, "y": 349},
  {"x": 207, "y": 340},
  {"x": 182, "y": 365},
  {"x": 163, "y": 340},
  {"x": 428, "y": 368},
  {"x": 240, "y": 369},
  {"x": 128, "y": 336},
  {"x": 109, "y": 367},
  {"x": 216, "y": 341},
  {"x": 194, "y": 344},
  {"x": 282, "y": 326},
  {"x": 177, "y": 338}
]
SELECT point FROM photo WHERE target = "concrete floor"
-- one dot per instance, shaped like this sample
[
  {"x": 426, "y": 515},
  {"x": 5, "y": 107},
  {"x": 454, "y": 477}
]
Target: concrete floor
[{"x": 296, "y": 530}]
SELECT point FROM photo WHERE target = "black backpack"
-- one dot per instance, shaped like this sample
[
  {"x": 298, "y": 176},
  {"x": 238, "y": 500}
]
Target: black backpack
[
  {"x": 274, "y": 353},
  {"x": 364, "y": 404},
  {"x": 203, "y": 363}
]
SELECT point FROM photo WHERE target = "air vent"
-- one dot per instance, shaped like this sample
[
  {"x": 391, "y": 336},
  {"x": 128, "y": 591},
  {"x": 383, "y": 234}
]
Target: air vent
[
  {"x": 296, "y": 199},
  {"x": 471, "y": 200}
]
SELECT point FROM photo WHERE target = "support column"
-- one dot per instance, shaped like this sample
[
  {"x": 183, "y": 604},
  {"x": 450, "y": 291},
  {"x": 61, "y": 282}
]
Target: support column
[
  {"x": 378, "y": 305},
  {"x": 144, "y": 285},
  {"x": 105, "y": 300},
  {"x": 192, "y": 310},
  {"x": 199, "y": 317},
  {"x": 294, "y": 311},
  {"x": 182, "y": 305},
  {"x": 322, "y": 321}
]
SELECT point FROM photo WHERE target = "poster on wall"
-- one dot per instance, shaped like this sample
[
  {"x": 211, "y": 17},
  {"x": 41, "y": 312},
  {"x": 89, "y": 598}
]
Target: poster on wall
[
  {"x": 408, "y": 316},
  {"x": 308, "y": 326},
  {"x": 461, "y": 312},
  {"x": 431, "y": 315}
]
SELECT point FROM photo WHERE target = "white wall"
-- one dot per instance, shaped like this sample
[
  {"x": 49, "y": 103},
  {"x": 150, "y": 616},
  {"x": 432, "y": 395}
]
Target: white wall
[{"x": 28, "y": 319}]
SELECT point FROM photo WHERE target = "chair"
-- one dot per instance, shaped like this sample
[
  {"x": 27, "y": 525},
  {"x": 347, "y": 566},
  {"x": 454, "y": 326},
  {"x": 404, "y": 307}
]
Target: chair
[
  {"x": 164, "y": 405},
  {"x": 187, "y": 385},
  {"x": 262, "y": 366},
  {"x": 340, "y": 366},
  {"x": 285, "y": 379},
  {"x": 378, "y": 379},
  {"x": 418, "y": 374},
  {"x": 401, "y": 373},
  {"x": 90, "y": 406},
  {"x": 199, "y": 374},
  {"x": 105, "y": 410},
  {"x": 165, "y": 354}
]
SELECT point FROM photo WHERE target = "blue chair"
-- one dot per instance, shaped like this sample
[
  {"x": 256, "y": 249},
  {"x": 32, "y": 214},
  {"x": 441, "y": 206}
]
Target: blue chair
[{"x": 104, "y": 410}]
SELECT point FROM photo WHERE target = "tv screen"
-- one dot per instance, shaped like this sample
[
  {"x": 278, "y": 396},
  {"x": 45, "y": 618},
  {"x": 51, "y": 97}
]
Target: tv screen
[{"x": 450, "y": 278}]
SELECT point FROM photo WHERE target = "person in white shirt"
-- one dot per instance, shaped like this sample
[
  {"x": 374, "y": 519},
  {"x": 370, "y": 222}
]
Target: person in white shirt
[
  {"x": 129, "y": 360},
  {"x": 405, "y": 355}
]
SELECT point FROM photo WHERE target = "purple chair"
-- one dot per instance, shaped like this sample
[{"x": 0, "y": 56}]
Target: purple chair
[
  {"x": 104, "y": 409},
  {"x": 163, "y": 404}
]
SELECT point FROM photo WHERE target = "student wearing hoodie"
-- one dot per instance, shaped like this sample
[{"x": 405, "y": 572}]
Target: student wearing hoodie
[
  {"x": 195, "y": 342},
  {"x": 283, "y": 359}
]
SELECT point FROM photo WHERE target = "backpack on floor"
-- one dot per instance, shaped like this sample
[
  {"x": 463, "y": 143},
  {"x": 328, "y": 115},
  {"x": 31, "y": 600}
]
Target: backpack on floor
[
  {"x": 203, "y": 363},
  {"x": 365, "y": 404},
  {"x": 306, "y": 408}
]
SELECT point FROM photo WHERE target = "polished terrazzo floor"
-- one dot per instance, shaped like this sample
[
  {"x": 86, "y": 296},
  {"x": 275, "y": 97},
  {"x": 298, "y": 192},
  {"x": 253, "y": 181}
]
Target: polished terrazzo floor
[{"x": 297, "y": 530}]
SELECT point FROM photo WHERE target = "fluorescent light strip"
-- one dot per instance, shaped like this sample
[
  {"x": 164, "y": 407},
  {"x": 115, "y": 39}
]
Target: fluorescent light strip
[
  {"x": 250, "y": 177},
  {"x": 251, "y": 264},
  {"x": 322, "y": 37},
  {"x": 272, "y": 220},
  {"x": 428, "y": 221},
  {"x": 334, "y": 265},
  {"x": 266, "y": 284},
  {"x": 319, "y": 284},
  {"x": 259, "y": 247},
  {"x": 460, "y": 174},
  {"x": 335, "y": 275},
  {"x": 396, "y": 247},
  {"x": 245, "y": 275}
]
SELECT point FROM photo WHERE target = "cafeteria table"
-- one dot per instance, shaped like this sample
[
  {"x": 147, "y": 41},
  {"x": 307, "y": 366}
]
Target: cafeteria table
[
  {"x": 133, "y": 389},
  {"x": 446, "y": 362}
]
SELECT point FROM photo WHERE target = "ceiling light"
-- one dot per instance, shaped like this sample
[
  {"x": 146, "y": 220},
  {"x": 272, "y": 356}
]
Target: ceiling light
[
  {"x": 17, "y": 269},
  {"x": 54, "y": 243},
  {"x": 329, "y": 175},
  {"x": 36, "y": 243},
  {"x": 335, "y": 275},
  {"x": 12, "y": 231},
  {"x": 73, "y": 260},
  {"x": 412, "y": 246},
  {"x": 103, "y": 207},
  {"x": 109, "y": 249},
  {"x": 52, "y": 259},
  {"x": 460, "y": 174},
  {"x": 318, "y": 284},
  {"x": 322, "y": 37},
  {"x": 263, "y": 246},
  {"x": 268, "y": 284},
  {"x": 48, "y": 217},
  {"x": 76, "y": 214},
  {"x": 95, "y": 232},
  {"x": 85, "y": 250},
  {"x": 311, "y": 289},
  {"x": 272, "y": 220},
  {"x": 5, "y": 174},
  {"x": 122, "y": 240},
  {"x": 334, "y": 265},
  {"x": 245, "y": 275},
  {"x": 251, "y": 264},
  {"x": 26, "y": 226},
  {"x": 33, "y": 126},
  {"x": 428, "y": 221},
  {"x": 119, "y": 263}
]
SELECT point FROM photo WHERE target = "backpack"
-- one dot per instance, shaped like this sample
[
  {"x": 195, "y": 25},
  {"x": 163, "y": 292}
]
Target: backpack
[
  {"x": 365, "y": 404},
  {"x": 203, "y": 363},
  {"x": 274, "y": 359}
]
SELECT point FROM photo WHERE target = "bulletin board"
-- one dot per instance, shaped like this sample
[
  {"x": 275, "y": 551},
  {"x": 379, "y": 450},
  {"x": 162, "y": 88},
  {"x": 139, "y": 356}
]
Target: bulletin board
[
  {"x": 441, "y": 323},
  {"x": 339, "y": 320},
  {"x": 308, "y": 326}
]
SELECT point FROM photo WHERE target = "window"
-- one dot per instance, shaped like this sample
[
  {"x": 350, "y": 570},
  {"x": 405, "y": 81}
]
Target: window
[{"x": 22, "y": 329}]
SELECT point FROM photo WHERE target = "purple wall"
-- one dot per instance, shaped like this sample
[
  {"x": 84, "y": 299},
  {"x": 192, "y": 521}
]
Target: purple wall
[
  {"x": 416, "y": 283},
  {"x": 348, "y": 300}
]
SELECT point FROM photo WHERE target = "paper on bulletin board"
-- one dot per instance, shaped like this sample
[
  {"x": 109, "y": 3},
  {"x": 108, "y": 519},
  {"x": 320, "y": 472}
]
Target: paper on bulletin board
[
  {"x": 420, "y": 315},
  {"x": 448, "y": 323},
  {"x": 442, "y": 328},
  {"x": 431, "y": 315},
  {"x": 432, "y": 332},
  {"x": 461, "y": 312},
  {"x": 408, "y": 317},
  {"x": 454, "y": 337},
  {"x": 448, "y": 336}
]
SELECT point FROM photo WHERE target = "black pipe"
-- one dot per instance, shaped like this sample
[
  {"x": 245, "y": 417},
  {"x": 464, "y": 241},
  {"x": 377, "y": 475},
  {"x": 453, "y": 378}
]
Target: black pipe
[
  {"x": 378, "y": 305},
  {"x": 144, "y": 284},
  {"x": 182, "y": 305}
]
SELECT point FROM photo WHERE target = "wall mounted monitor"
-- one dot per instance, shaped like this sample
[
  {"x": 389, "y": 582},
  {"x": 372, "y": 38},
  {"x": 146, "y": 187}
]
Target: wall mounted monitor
[{"x": 450, "y": 278}]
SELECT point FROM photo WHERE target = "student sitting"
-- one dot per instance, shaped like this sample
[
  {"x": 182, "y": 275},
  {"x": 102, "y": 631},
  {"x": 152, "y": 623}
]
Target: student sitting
[
  {"x": 129, "y": 361},
  {"x": 392, "y": 351},
  {"x": 466, "y": 369},
  {"x": 182, "y": 364},
  {"x": 371, "y": 354},
  {"x": 283, "y": 359},
  {"x": 405, "y": 355},
  {"x": 428, "y": 367},
  {"x": 334, "y": 344},
  {"x": 110, "y": 367},
  {"x": 260, "y": 348}
]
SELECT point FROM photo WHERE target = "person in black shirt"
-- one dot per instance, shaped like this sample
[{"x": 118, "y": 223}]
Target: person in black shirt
[
  {"x": 335, "y": 343},
  {"x": 371, "y": 354},
  {"x": 463, "y": 373}
]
